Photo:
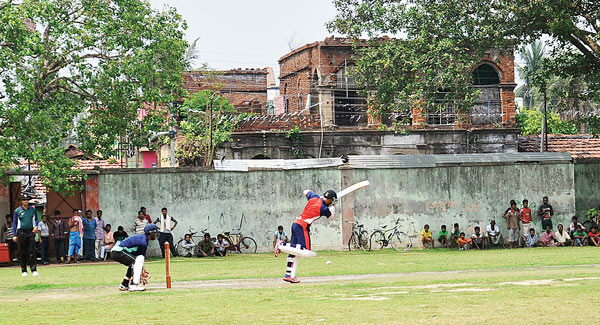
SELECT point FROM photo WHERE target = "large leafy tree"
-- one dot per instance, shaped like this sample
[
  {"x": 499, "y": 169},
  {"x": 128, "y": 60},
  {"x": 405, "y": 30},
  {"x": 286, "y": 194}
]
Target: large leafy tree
[
  {"x": 532, "y": 56},
  {"x": 80, "y": 70},
  {"x": 441, "y": 37}
]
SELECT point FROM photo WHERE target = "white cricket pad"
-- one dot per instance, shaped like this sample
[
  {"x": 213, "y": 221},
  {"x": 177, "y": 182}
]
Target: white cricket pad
[
  {"x": 352, "y": 188},
  {"x": 138, "y": 266},
  {"x": 297, "y": 251}
]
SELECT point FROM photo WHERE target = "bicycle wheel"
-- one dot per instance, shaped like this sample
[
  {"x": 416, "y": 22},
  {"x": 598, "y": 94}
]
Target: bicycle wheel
[
  {"x": 377, "y": 240},
  {"x": 363, "y": 240},
  {"x": 400, "y": 241},
  {"x": 353, "y": 242},
  {"x": 247, "y": 245}
]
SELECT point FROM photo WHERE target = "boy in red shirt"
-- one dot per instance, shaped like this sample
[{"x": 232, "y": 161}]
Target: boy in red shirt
[
  {"x": 594, "y": 237},
  {"x": 525, "y": 217},
  {"x": 463, "y": 243}
]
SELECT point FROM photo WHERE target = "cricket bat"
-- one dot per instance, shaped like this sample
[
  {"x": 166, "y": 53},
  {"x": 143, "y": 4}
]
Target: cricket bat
[{"x": 352, "y": 188}]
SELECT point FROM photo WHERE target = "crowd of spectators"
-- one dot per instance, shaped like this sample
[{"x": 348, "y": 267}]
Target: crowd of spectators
[{"x": 521, "y": 231}]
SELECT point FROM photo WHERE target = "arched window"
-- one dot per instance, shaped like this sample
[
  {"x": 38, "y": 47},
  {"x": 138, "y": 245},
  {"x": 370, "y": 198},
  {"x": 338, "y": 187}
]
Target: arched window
[
  {"x": 485, "y": 74},
  {"x": 261, "y": 156}
]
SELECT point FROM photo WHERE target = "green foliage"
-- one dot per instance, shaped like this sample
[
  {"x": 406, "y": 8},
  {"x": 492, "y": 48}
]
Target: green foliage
[
  {"x": 439, "y": 40},
  {"x": 80, "y": 75},
  {"x": 530, "y": 123},
  {"x": 295, "y": 137},
  {"x": 202, "y": 131}
]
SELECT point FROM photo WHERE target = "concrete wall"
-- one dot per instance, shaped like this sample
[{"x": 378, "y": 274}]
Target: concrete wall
[
  {"x": 469, "y": 195},
  {"x": 218, "y": 200},
  {"x": 587, "y": 187}
]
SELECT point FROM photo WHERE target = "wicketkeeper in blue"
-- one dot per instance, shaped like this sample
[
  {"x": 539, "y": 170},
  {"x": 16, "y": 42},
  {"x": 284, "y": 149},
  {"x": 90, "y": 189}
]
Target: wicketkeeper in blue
[{"x": 131, "y": 252}]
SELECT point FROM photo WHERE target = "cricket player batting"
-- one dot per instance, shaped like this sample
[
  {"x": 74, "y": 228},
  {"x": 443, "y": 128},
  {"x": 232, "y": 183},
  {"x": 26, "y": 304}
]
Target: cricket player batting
[
  {"x": 131, "y": 252},
  {"x": 315, "y": 208}
]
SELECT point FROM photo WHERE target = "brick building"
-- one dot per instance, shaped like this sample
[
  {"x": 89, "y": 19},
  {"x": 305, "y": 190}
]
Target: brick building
[
  {"x": 246, "y": 89},
  {"x": 315, "y": 75}
]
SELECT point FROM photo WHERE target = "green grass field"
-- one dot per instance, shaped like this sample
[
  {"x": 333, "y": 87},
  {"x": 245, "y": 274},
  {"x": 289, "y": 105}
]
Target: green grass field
[{"x": 543, "y": 285}]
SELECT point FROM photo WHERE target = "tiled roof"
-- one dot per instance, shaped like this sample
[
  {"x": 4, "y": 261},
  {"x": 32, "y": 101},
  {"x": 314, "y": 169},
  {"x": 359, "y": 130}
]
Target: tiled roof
[{"x": 580, "y": 146}]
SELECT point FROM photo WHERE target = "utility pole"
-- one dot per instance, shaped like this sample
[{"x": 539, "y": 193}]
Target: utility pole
[
  {"x": 544, "y": 139},
  {"x": 210, "y": 130}
]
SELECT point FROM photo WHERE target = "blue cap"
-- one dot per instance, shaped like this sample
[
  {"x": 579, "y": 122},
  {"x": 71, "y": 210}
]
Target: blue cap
[{"x": 149, "y": 229}]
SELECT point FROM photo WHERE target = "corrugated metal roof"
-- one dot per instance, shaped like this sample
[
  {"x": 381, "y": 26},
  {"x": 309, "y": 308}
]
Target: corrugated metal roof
[
  {"x": 283, "y": 164},
  {"x": 429, "y": 161},
  {"x": 399, "y": 161}
]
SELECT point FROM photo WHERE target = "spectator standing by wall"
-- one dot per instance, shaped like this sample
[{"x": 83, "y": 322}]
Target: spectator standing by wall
[
  {"x": 25, "y": 225},
  {"x": 7, "y": 233},
  {"x": 59, "y": 234},
  {"x": 44, "y": 238},
  {"x": 525, "y": 217},
  {"x": 512, "y": 216},
  {"x": 166, "y": 224},
  {"x": 140, "y": 223},
  {"x": 75, "y": 231},
  {"x": 546, "y": 212},
  {"x": 89, "y": 236},
  {"x": 99, "y": 232},
  {"x": 147, "y": 216}
]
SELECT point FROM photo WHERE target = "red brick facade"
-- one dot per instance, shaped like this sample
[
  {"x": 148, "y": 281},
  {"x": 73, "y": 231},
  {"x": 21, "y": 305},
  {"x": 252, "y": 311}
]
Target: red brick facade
[
  {"x": 245, "y": 89},
  {"x": 315, "y": 69}
]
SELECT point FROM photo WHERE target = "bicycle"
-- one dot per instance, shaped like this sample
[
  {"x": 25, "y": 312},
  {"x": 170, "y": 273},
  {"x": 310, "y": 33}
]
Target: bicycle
[
  {"x": 591, "y": 219},
  {"x": 359, "y": 238},
  {"x": 393, "y": 237},
  {"x": 238, "y": 242},
  {"x": 179, "y": 248}
]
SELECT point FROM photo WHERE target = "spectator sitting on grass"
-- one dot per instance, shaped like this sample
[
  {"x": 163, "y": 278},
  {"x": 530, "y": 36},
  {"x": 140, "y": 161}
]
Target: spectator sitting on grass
[
  {"x": 427, "y": 237},
  {"x": 478, "y": 239},
  {"x": 221, "y": 246},
  {"x": 573, "y": 225},
  {"x": 594, "y": 237},
  {"x": 531, "y": 239},
  {"x": 443, "y": 237},
  {"x": 494, "y": 236},
  {"x": 455, "y": 235},
  {"x": 547, "y": 239},
  {"x": 463, "y": 243},
  {"x": 579, "y": 236},
  {"x": 562, "y": 237},
  {"x": 205, "y": 247},
  {"x": 188, "y": 246}
]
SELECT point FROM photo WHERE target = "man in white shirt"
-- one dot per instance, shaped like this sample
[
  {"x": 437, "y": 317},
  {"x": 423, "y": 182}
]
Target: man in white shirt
[
  {"x": 562, "y": 237},
  {"x": 166, "y": 224},
  {"x": 494, "y": 236}
]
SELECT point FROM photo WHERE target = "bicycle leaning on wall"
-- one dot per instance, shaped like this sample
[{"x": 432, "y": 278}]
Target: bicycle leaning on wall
[
  {"x": 393, "y": 237},
  {"x": 359, "y": 238},
  {"x": 238, "y": 242}
]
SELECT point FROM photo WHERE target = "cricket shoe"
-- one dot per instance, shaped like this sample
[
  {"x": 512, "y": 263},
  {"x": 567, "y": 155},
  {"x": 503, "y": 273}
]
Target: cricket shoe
[
  {"x": 35, "y": 273},
  {"x": 123, "y": 288},
  {"x": 290, "y": 279},
  {"x": 24, "y": 274},
  {"x": 137, "y": 287}
]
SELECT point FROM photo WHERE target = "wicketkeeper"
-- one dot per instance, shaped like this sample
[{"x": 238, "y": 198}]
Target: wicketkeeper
[
  {"x": 131, "y": 252},
  {"x": 315, "y": 208}
]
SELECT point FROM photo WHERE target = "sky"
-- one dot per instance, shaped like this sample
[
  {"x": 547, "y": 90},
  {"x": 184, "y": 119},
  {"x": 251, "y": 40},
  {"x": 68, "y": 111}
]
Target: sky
[
  {"x": 251, "y": 33},
  {"x": 254, "y": 33}
]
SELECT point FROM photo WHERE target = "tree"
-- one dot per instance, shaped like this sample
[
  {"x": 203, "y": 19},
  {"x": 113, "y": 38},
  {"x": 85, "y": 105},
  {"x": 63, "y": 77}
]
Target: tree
[
  {"x": 207, "y": 121},
  {"x": 81, "y": 69},
  {"x": 458, "y": 31},
  {"x": 529, "y": 122},
  {"x": 532, "y": 55}
]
